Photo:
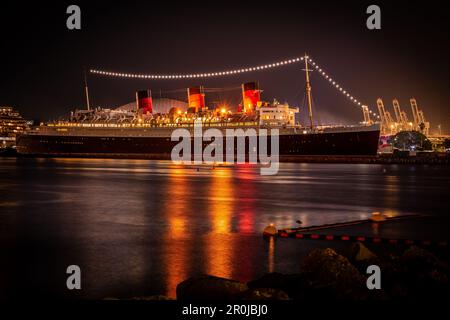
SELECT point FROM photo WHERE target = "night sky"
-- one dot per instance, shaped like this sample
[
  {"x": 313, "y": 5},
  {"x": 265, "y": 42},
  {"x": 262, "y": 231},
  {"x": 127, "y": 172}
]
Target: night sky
[{"x": 42, "y": 61}]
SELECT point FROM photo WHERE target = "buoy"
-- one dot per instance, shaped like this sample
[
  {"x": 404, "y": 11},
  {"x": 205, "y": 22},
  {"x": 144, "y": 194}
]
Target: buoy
[
  {"x": 377, "y": 216},
  {"x": 270, "y": 231}
]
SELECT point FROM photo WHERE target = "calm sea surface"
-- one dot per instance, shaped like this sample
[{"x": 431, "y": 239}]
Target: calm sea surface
[{"x": 139, "y": 227}]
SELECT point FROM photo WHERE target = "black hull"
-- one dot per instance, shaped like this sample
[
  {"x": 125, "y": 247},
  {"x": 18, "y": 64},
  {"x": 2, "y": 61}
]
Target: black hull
[{"x": 355, "y": 143}]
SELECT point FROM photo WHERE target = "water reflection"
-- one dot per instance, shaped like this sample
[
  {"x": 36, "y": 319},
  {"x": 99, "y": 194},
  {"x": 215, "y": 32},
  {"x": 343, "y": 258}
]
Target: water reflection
[
  {"x": 176, "y": 259},
  {"x": 247, "y": 197},
  {"x": 218, "y": 251},
  {"x": 149, "y": 225},
  {"x": 391, "y": 198},
  {"x": 271, "y": 255}
]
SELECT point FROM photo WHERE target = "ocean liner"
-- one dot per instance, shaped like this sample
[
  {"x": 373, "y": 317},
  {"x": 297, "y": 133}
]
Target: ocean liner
[{"x": 143, "y": 129}]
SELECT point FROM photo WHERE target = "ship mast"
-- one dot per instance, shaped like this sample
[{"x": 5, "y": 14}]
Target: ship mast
[
  {"x": 308, "y": 92},
  {"x": 86, "y": 90}
]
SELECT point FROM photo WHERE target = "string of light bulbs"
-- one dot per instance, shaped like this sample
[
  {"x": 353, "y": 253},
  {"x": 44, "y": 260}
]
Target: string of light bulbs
[
  {"x": 197, "y": 75},
  {"x": 234, "y": 72},
  {"x": 339, "y": 87}
]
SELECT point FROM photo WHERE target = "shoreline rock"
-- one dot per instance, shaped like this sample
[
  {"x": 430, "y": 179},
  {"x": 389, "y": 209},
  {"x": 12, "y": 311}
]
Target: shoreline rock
[
  {"x": 414, "y": 273},
  {"x": 210, "y": 288}
]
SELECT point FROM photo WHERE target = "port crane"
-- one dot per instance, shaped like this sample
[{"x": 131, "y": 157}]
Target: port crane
[
  {"x": 419, "y": 124},
  {"x": 398, "y": 113},
  {"x": 401, "y": 117},
  {"x": 390, "y": 126},
  {"x": 366, "y": 114}
]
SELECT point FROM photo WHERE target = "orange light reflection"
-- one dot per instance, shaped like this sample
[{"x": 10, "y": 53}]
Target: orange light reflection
[
  {"x": 219, "y": 247},
  {"x": 177, "y": 246}
]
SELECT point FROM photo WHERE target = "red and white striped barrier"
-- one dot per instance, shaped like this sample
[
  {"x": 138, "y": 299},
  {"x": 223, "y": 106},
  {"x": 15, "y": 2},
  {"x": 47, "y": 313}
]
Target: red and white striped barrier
[{"x": 375, "y": 240}]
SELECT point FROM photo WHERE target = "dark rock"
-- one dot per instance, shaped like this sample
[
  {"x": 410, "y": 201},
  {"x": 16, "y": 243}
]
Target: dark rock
[
  {"x": 143, "y": 298},
  {"x": 398, "y": 291},
  {"x": 378, "y": 295},
  {"x": 332, "y": 275},
  {"x": 392, "y": 273},
  {"x": 153, "y": 298},
  {"x": 360, "y": 253},
  {"x": 210, "y": 288},
  {"x": 293, "y": 284},
  {"x": 265, "y": 294},
  {"x": 417, "y": 274},
  {"x": 270, "y": 280},
  {"x": 418, "y": 259}
]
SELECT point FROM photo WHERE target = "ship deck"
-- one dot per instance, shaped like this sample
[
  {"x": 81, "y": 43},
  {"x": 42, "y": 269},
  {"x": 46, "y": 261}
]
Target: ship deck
[{"x": 102, "y": 130}]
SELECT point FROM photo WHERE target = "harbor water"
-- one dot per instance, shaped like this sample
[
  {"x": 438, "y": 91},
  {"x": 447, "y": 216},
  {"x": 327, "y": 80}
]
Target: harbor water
[{"x": 139, "y": 227}]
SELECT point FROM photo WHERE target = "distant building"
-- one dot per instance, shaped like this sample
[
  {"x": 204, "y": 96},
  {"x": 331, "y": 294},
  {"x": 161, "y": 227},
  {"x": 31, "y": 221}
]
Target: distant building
[{"x": 11, "y": 124}]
